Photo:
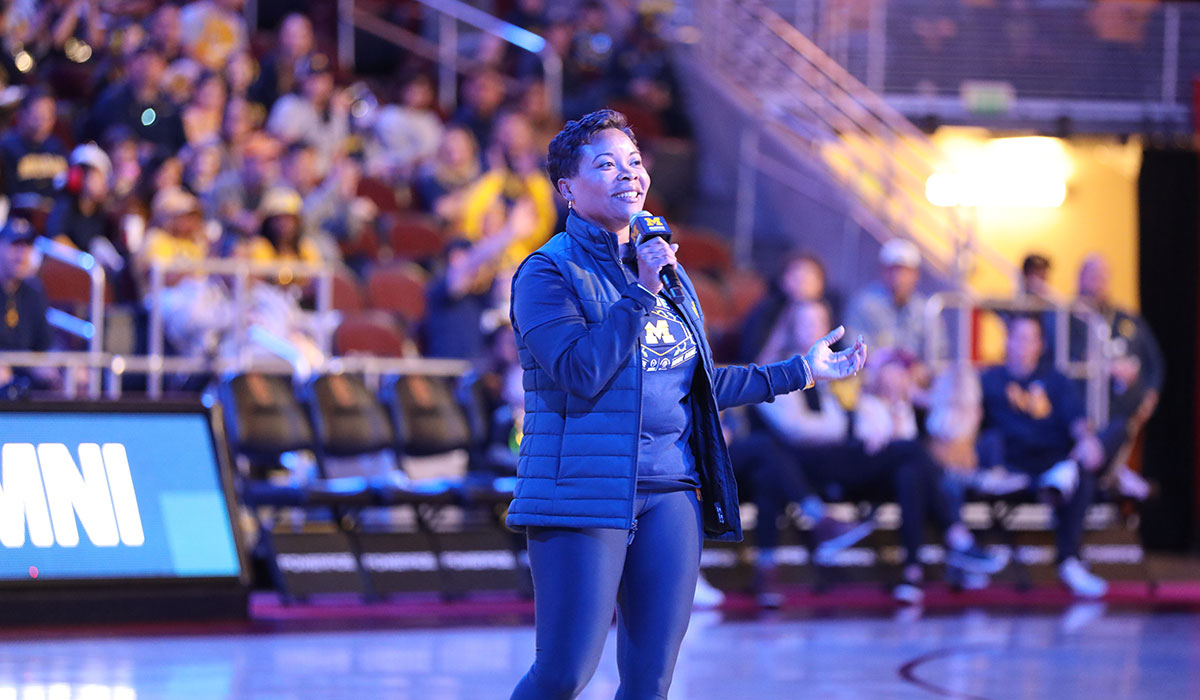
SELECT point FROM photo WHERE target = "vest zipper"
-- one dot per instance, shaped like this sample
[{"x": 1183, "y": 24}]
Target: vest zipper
[
  {"x": 632, "y": 532},
  {"x": 693, "y": 324}
]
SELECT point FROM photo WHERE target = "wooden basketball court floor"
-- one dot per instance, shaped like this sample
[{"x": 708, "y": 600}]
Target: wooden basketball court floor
[{"x": 1084, "y": 651}]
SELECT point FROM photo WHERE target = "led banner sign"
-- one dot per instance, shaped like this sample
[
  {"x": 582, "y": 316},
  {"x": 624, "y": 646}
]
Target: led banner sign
[{"x": 112, "y": 495}]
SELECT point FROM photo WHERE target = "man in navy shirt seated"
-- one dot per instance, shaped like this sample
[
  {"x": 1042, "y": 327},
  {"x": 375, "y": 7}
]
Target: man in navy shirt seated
[
  {"x": 1036, "y": 419},
  {"x": 23, "y": 325}
]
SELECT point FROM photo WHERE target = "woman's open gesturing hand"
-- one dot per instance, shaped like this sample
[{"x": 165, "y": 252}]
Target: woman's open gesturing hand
[{"x": 827, "y": 364}]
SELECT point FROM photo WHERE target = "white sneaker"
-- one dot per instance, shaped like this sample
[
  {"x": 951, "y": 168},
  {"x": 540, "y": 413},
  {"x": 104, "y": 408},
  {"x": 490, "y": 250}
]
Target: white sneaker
[
  {"x": 707, "y": 595},
  {"x": 1082, "y": 582},
  {"x": 998, "y": 481},
  {"x": 1131, "y": 484},
  {"x": 1059, "y": 482}
]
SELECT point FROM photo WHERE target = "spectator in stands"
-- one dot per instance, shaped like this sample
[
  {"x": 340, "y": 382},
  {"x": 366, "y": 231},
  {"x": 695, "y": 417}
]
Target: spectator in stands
[
  {"x": 164, "y": 172},
  {"x": 406, "y": 135},
  {"x": 317, "y": 114},
  {"x": 497, "y": 399},
  {"x": 202, "y": 116},
  {"x": 891, "y": 312},
  {"x": 240, "y": 74},
  {"x": 32, "y": 155},
  {"x": 238, "y": 193},
  {"x": 282, "y": 237},
  {"x": 121, "y": 145},
  {"x": 335, "y": 216},
  {"x": 514, "y": 172},
  {"x": 829, "y": 444},
  {"x": 1042, "y": 432},
  {"x": 180, "y": 80},
  {"x": 1138, "y": 370},
  {"x": 213, "y": 30},
  {"x": 440, "y": 186},
  {"x": 201, "y": 166},
  {"x": 241, "y": 121},
  {"x": 81, "y": 217},
  {"x": 278, "y": 72},
  {"x": 1035, "y": 279},
  {"x": 482, "y": 96},
  {"x": 166, "y": 31},
  {"x": 528, "y": 14},
  {"x": 460, "y": 295},
  {"x": 644, "y": 77},
  {"x": 535, "y": 107},
  {"x": 176, "y": 230},
  {"x": 299, "y": 168},
  {"x": 587, "y": 68},
  {"x": 196, "y": 309},
  {"x": 140, "y": 103},
  {"x": 70, "y": 37},
  {"x": 24, "y": 305},
  {"x": 17, "y": 33},
  {"x": 802, "y": 278}
]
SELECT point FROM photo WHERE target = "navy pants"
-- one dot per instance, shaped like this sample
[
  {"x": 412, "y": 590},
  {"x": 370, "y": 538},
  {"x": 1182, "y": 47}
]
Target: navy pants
[
  {"x": 902, "y": 471},
  {"x": 578, "y": 576}
]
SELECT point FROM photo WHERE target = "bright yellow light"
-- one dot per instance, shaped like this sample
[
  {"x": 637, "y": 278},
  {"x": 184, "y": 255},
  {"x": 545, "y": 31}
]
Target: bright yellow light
[
  {"x": 1027, "y": 171},
  {"x": 23, "y": 61}
]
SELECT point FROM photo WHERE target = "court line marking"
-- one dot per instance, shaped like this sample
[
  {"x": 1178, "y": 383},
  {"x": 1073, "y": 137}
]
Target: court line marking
[{"x": 908, "y": 671}]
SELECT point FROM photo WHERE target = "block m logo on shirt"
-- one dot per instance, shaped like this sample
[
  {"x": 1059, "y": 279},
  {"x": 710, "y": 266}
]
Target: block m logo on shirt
[{"x": 659, "y": 332}]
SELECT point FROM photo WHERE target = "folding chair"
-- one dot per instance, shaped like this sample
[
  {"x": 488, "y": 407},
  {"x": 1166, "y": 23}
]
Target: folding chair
[
  {"x": 350, "y": 421},
  {"x": 265, "y": 420}
]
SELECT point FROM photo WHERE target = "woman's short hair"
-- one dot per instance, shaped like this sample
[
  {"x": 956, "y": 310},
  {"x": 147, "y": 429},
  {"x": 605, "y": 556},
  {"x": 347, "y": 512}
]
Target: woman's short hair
[{"x": 563, "y": 157}]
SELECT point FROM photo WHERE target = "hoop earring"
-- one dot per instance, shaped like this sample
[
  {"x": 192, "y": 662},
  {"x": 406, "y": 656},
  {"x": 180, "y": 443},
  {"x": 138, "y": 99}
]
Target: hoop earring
[{"x": 570, "y": 204}]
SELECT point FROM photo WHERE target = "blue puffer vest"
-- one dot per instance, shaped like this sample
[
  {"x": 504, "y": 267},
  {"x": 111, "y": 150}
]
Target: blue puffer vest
[{"x": 578, "y": 314}]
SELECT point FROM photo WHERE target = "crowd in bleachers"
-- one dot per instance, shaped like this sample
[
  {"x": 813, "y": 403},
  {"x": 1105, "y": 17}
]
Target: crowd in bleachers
[
  {"x": 930, "y": 435},
  {"x": 153, "y": 132},
  {"x": 147, "y": 132}
]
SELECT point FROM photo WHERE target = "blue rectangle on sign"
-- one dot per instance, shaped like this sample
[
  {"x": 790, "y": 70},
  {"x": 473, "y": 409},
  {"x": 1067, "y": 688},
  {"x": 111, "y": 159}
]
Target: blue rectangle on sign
[{"x": 199, "y": 534}]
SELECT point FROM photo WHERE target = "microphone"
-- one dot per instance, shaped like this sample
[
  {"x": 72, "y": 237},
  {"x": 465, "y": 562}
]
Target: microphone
[{"x": 650, "y": 226}]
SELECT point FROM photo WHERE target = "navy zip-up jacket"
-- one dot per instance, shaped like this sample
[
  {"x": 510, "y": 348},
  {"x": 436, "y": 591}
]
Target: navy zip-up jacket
[{"x": 578, "y": 314}]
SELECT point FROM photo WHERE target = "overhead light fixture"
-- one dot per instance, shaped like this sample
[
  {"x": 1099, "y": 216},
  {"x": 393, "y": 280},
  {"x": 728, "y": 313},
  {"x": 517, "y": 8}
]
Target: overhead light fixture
[{"x": 1027, "y": 171}]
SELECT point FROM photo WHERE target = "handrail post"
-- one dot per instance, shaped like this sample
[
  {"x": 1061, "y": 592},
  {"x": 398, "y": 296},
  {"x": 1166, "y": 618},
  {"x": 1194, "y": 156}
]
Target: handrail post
[
  {"x": 1170, "y": 76},
  {"x": 876, "y": 44},
  {"x": 96, "y": 342},
  {"x": 239, "y": 311},
  {"x": 116, "y": 371},
  {"x": 447, "y": 56},
  {"x": 345, "y": 35},
  {"x": 325, "y": 311},
  {"x": 552, "y": 72},
  {"x": 743, "y": 234},
  {"x": 155, "y": 379}
]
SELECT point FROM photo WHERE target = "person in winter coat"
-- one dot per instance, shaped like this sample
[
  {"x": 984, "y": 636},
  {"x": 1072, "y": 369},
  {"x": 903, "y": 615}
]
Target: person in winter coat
[{"x": 623, "y": 469}]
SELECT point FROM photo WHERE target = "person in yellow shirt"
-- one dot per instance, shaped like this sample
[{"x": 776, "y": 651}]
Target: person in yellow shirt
[
  {"x": 177, "y": 231},
  {"x": 281, "y": 237},
  {"x": 514, "y": 173}
]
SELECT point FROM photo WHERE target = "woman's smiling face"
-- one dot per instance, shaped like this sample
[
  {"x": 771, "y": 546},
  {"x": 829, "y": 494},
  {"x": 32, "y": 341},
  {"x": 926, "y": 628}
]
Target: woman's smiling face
[{"x": 611, "y": 182}]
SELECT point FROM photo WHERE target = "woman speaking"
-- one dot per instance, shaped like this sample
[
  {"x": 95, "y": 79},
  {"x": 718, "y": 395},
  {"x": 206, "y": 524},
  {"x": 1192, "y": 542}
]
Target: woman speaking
[{"x": 623, "y": 470}]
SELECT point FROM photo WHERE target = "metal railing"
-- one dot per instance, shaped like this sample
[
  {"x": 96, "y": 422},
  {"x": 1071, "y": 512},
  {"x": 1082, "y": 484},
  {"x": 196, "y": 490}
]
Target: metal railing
[
  {"x": 795, "y": 93},
  {"x": 1095, "y": 367},
  {"x": 92, "y": 329},
  {"x": 241, "y": 274},
  {"x": 444, "y": 52},
  {"x": 116, "y": 366},
  {"x": 1111, "y": 61}
]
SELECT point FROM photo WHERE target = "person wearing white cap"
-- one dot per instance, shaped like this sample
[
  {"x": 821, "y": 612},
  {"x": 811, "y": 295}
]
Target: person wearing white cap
[
  {"x": 890, "y": 312},
  {"x": 80, "y": 217}
]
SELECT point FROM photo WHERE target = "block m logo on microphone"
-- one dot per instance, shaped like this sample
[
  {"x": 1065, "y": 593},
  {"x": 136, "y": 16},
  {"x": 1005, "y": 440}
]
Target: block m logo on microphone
[{"x": 655, "y": 224}]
